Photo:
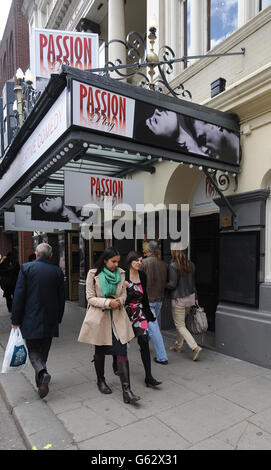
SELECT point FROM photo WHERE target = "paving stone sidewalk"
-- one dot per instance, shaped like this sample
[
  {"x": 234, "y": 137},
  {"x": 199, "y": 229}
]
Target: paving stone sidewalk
[{"x": 217, "y": 403}]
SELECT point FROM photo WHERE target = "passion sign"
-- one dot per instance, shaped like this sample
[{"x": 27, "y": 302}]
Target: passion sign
[{"x": 54, "y": 48}]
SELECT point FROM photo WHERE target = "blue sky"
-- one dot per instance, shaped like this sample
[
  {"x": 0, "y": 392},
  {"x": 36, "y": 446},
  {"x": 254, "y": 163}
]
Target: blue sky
[{"x": 224, "y": 19}]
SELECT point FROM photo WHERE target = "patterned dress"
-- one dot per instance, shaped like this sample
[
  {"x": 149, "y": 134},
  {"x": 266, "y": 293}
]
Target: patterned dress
[{"x": 135, "y": 309}]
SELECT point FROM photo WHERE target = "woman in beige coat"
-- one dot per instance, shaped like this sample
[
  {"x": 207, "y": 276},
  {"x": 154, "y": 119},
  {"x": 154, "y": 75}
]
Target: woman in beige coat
[{"x": 106, "y": 324}]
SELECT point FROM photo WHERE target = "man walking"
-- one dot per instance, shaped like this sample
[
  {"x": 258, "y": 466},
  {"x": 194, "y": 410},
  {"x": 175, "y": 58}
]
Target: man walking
[
  {"x": 156, "y": 272},
  {"x": 38, "y": 308}
]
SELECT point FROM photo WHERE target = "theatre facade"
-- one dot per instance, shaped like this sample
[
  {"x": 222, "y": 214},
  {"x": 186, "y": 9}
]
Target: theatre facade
[{"x": 90, "y": 138}]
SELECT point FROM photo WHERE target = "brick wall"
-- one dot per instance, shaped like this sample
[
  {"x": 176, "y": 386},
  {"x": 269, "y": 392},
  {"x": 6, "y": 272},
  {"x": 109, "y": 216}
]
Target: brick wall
[
  {"x": 14, "y": 47},
  {"x": 25, "y": 246}
]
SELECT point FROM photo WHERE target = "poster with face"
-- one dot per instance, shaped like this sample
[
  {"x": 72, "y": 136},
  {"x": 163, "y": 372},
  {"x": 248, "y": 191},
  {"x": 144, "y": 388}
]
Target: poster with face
[
  {"x": 170, "y": 130},
  {"x": 52, "y": 209}
]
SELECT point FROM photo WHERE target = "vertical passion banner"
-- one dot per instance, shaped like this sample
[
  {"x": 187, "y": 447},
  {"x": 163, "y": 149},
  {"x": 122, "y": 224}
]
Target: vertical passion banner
[
  {"x": 50, "y": 128},
  {"x": 54, "y": 48},
  {"x": 102, "y": 110}
]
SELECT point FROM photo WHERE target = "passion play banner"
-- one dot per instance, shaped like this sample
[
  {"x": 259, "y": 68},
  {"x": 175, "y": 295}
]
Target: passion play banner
[
  {"x": 106, "y": 111},
  {"x": 95, "y": 189},
  {"x": 102, "y": 110},
  {"x": 54, "y": 48}
]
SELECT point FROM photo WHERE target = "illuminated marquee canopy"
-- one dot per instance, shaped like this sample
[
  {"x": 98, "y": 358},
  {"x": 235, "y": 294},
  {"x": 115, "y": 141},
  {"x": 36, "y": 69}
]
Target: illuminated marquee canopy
[{"x": 114, "y": 129}]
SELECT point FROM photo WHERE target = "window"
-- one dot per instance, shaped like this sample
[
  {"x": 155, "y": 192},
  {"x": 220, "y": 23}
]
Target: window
[
  {"x": 264, "y": 4},
  {"x": 222, "y": 20}
]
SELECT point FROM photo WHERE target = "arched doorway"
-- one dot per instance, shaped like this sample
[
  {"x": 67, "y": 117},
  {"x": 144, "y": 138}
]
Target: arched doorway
[{"x": 188, "y": 186}]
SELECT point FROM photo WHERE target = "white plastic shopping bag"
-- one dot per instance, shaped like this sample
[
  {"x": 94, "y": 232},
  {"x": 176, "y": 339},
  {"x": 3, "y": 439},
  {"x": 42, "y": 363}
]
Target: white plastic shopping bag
[{"x": 16, "y": 354}]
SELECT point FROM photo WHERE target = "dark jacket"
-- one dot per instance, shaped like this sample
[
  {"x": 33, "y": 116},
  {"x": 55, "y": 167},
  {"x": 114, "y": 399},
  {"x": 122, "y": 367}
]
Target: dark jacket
[
  {"x": 156, "y": 271},
  {"x": 9, "y": 270},
  {"x": 145, "y": 301},
  {"x": 39, "y": 302},
  {"x": 181, "y": 286}
]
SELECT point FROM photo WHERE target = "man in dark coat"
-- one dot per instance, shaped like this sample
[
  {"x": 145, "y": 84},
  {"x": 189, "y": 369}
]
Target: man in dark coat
[{"x": 38, "y": 308}]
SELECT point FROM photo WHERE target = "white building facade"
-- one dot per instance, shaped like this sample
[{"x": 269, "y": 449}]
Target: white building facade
[{"x": 196, "y": 28}]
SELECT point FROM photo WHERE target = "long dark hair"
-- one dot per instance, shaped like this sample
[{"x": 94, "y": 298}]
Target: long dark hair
[
  {"x": 105, "y": 256},
  {"x": 132, "y": 256}
]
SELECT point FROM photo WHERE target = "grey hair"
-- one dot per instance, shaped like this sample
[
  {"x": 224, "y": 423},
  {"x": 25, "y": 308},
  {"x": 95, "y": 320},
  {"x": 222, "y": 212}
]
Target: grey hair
[
  {"x": 43, "y": 249},
  {"x": 153, "y": 247}
]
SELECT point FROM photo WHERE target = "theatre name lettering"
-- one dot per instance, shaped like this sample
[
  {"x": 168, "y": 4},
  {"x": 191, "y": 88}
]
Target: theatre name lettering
[
  {"x": 106, "y": 187},
  {"x": 102, "y": 110}
]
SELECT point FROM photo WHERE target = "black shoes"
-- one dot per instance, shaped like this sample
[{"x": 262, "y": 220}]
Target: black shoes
[
  {"x": 161, "y": 362},
  {"x": 152, "y": 382},
  {"x": 99, "y": 367},
  {"x": 43, "y": 382},
  {"x": 103, "y": 387}
]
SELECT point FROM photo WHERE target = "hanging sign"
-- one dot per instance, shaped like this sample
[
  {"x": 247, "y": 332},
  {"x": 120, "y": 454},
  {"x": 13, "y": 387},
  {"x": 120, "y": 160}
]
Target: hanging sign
[
  {"x": 96, "y": 189},
  {"x": 54, "y": 48}
]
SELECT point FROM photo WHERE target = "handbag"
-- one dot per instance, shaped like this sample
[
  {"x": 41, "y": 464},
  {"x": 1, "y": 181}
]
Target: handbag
[
  {"x": 16, "y": 355},
  {"x": 196, "y": 320}
]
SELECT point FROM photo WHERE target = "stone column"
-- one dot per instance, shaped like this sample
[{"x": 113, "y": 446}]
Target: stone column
[
  {"x": 197, "y": 27},
  {"x": 173, "y": 30},
  {"x": 116, "y": 30}
]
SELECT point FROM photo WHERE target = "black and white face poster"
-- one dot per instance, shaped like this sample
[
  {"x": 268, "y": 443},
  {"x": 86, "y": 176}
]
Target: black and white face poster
[{"x": 170, "y": 130}]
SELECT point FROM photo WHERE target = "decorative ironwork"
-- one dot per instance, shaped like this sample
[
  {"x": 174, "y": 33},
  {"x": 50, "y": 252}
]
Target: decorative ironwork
[
  {"x": 224, "y": 179},
  {"x": 26, "y": 97},
  {"x": 142, "y": 63},
  {"x": 139, "y": 59},
  {"x": 221, "y": 181}
]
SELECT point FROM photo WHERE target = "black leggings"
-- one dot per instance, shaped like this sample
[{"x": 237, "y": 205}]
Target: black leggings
[{"x": 143, "y": 341}]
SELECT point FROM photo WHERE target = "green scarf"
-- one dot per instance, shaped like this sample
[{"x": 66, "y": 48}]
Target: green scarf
[{"x": 108, "y": 281}]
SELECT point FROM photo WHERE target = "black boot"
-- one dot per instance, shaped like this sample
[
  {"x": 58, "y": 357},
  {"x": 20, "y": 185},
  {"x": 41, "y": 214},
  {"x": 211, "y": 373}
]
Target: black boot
[
  {"x": 124, "y": 375},
  {"x": 115, "y": 365},
  {"x": 146, "y": 359},
  {"x": 99, "y": 367}
]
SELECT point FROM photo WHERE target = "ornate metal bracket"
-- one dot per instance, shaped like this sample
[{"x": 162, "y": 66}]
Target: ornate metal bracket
[
  {"x": 139, "y": 59},
  {"x": 221, "y": 182}
]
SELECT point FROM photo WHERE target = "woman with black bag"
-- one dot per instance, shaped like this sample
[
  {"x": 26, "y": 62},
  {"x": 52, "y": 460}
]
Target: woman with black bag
[{"x": 183, "y": 296}]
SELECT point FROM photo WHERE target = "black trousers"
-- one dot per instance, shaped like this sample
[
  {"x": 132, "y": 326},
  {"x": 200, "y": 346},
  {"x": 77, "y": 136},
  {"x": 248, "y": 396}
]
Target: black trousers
[{"x": 38, "y": 350}]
